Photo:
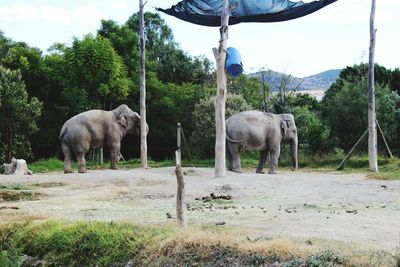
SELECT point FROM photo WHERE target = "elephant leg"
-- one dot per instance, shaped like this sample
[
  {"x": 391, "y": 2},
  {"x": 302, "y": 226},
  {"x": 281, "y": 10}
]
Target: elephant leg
[
  {"x": 234, "y": 151},
  {"x": 114, "y": 150},
  {"x": 263, "y": 159},
  {"x": 273, "y": 160},
  {"x": 67, "y": 158},
  {"x": 236, "y": 162},
  {"x": 81, "y": 162},
  {"x": 229, "y": 156}
]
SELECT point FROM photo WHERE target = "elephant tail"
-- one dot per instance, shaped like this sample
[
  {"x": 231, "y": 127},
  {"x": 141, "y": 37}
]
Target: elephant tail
[
  {"x": 234, "y": 141},
  {"x": 63, "y": 133}
]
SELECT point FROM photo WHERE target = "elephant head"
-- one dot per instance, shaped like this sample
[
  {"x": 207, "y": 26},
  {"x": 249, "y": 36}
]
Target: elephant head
[
  {"x": 128, "y": 119},
  {"x": 289, "y": 134}
]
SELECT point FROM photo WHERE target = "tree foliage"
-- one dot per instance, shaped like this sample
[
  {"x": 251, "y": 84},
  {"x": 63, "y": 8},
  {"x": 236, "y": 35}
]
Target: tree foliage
[
  {"x": 203, "y": 136},
  {"x": 96, "y": 74},
  {"x": 344, "y": 107},
  {"x": 18, "y": 115}
]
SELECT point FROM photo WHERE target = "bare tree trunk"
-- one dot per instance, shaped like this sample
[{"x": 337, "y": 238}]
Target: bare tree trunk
[
  {"x": 220, "y": 56},
  {"x": 372, "y": 137},
  {"x": 9, "y": 142},
  {"x": 143, "y": 128}
]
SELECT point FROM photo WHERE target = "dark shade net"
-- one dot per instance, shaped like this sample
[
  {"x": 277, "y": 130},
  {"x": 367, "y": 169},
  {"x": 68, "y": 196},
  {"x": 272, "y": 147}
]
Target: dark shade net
[{"x": 208, "y": 12}]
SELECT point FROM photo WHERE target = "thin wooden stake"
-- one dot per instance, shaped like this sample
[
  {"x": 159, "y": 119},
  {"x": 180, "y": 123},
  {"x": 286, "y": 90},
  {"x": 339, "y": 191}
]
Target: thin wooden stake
[
  {"x": 344, "y": 161},
  {"x": 180, "y": 194},
  {"x": 387, "y": 149},
  {"x": 372, "y": 137},
  {"x": 143, "y": 124}
]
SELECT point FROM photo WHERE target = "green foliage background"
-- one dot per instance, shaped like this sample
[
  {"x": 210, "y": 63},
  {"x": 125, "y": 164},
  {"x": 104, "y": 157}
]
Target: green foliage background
[{"x": 102, "y": 71}]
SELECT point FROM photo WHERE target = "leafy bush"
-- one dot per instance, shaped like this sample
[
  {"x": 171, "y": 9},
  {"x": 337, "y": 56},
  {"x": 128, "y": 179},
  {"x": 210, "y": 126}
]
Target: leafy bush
[
  {"x": 203, "y": 136},
  {"x": 312, "y": 132},
  {"x": 346, "y": 111}
]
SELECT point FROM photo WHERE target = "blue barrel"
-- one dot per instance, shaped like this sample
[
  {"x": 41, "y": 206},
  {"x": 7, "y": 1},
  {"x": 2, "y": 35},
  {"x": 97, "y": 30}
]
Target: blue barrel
[{"x": 233, "y": 63}]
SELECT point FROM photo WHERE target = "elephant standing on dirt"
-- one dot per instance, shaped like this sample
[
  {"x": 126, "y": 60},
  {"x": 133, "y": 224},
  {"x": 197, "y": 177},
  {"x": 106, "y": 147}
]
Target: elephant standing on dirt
[
  {"x": 92, "y": 128},
  {"x": 256, "y": 130}
]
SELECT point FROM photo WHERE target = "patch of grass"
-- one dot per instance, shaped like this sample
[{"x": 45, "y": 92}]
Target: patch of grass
[
  {"x": 46, "y": 165},
  {"x": 117, "y": 244},
  {"x": 15, "y": 195},
  {"x": 16, "y": 186},
  {"x": 388, "y": 168}
]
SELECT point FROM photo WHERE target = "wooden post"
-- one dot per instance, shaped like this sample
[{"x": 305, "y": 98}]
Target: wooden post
[
  {"x": 143, "y": 124},
  {"x": 180, "y": 194},
  {"x": 178, "y": 141},
  {"x": 372, "y": 137},
  {"x": 220, "y": 56}
]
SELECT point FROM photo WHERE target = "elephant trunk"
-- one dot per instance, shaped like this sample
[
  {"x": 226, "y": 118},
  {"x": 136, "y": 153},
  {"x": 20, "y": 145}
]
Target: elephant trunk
[{"x": 293, "y": 152}]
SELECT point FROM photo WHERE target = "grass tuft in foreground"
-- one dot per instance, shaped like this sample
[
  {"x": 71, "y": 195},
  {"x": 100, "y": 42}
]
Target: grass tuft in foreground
[{"x": 121, "y": 244}]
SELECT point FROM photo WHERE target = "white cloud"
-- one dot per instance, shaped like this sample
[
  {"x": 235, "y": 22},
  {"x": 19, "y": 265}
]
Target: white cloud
[
  {"x": 18, "y": 12},
  {"x": 119, "y": 5},
  {"x": 88, "y": 15},
  {"x": 54, "y": 14}
]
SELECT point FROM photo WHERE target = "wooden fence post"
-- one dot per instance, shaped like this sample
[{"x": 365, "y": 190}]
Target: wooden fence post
[{"x": 180, "y": 192}]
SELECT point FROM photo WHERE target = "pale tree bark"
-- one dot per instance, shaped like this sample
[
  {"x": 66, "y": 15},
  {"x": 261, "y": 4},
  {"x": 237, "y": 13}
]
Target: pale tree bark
[
  {"x": 372, "y": 137},
  {"x": 143, "y": 128},
  {"x": 180, "y": 192},
  {"x": 220, "y": 56}
]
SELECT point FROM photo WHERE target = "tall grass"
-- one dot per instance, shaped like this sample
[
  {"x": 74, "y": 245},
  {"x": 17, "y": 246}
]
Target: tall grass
[{"x": 121, "y": 244}]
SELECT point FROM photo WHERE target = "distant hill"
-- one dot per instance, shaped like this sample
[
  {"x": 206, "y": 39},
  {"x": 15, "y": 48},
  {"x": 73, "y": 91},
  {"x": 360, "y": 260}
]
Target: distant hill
[{"x": 320, "y": 81}]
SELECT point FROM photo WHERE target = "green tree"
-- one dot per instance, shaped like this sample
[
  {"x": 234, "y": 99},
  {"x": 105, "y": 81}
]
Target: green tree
[
  {"x": 203, "y": 136},
  {"x": 345, "y": 111},
  {"x": 313, "y": 134},
  {"x": 18, "y": 115},
  {"x": 250, "y": 88},
  {"x": 124, "y": 41},
  {"x": 164, "y": 56},
  {"x": 97, "y": 77}
]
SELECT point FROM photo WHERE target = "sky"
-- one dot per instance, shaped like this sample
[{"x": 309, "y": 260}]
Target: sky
[{"x": 331, "y": 38}]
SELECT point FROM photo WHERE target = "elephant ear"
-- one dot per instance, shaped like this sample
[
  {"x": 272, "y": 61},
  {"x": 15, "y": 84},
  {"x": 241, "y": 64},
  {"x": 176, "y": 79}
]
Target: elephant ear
[
  {"x": 284, "y": 126},
  {"x": 121, "y": 119}
]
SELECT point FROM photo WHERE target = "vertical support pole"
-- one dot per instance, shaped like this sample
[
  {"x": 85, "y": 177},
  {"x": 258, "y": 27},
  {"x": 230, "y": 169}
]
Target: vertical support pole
[
  {"x": 220, "y": 56},
  {"x": 180, "y": 194},
  {"x": 143, "y": 124},
  {"x": 372, "y": 137},
  {"x": 178, "y": 141}
]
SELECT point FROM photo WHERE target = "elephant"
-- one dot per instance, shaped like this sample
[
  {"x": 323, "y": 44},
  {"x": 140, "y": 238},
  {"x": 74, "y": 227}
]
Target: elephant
[
  {"x": 256, "y": 130},
  {"x": 93, "y": 128}
]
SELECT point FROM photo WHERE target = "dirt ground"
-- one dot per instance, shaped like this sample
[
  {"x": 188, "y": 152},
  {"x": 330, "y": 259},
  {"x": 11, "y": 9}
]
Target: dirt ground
[{"x": 345, "y": 207}]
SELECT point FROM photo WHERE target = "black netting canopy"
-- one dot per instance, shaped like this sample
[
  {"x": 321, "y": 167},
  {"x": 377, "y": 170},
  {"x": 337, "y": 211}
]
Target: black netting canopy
[{"x": 208, "y": 12}]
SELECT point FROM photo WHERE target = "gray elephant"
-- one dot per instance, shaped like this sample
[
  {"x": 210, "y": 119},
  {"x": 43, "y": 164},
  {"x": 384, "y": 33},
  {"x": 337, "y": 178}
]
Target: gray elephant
[
  {"x": 256, "y": 130},
  {"x": 92, "y": 128}
]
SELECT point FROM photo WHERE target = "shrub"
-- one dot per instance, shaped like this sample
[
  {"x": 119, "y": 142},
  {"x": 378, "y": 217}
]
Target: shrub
[{"x": 203, "y": 137}]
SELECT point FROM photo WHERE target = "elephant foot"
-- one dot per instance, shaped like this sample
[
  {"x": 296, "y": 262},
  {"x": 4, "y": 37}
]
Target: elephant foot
[
  {"x": 68, "y": 171},
  {"x": 235, "y": 170},
  {"x": 260, "y": 171},
  {"x": 114, "y": 168},
  {"x": 82, "y": 171},
  {"x": 272, "y": 172}
]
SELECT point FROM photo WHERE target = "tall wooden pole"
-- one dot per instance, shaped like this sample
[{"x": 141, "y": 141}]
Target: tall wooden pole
[
  {"x": 372, "y": 137},
  {"x": 220, "y": 56},
  {"x": 143, "y": 124}
]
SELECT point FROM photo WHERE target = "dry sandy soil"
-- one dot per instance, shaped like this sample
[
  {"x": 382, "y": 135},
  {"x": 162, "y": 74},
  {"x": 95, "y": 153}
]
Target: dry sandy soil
[{"x": 345, "y": 207}]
